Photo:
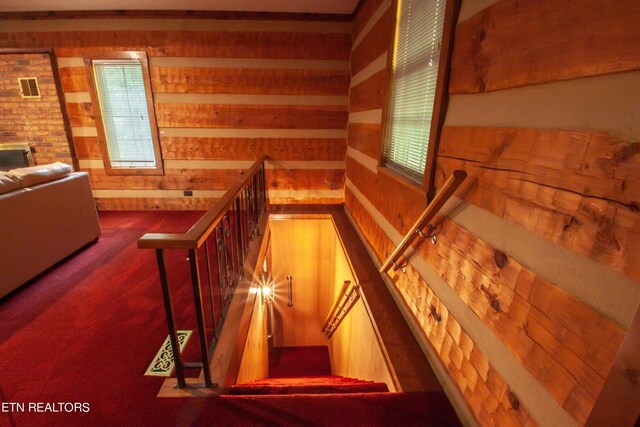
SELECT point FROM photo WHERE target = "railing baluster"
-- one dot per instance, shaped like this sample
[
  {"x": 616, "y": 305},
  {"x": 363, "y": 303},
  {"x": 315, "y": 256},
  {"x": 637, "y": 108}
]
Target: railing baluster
[
  {"x": 210, "y": 287},
  {"x": 168, "y": 308},
  {"x": 197, "y": 301},
  {"x": 238, "y": 227},
  {"x": 222, "y": 278}
]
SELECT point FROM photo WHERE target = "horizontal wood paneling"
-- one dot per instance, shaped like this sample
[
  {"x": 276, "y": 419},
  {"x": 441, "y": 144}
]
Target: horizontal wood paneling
[
  {"x": 292, "y": 179},
  {"x": 223, "y": 90},
  {"x": 408, "y": 203},
  {"x": 148, "y": 203},
  {"x": 364, "y": 15},
  {"x": 566, "y": 345},
  {"x": 279, "y": 45},
  {"x": 578, "y": 189},
  {"x": 87, "y": 147},
  {"x": 249, "y": 81},
  {"x": 486, "y": 393},
  {"x": 74, "y": 79},
  {"x": 508, "y": 45},
  {"x": 308, "y": 197},
  {"x": 366, "y": 138},
  {"x": 173, "y": 179},
  {"x": 370, "y": 94},
  {"x": 81, "y": 114},
  {"x": 252, "y": 148},
  {"x": 375, "y": 43},
  {"x": 251, "y": 116}
]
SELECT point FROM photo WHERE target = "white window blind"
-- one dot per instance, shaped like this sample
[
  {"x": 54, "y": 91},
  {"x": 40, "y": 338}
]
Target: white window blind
[
  {"x": 125, "y": 113},
  {"x": 415, "y": 72}
]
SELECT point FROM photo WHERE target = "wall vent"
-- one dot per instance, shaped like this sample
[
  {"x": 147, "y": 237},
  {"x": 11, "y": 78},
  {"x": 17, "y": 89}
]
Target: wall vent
[{"x": 29, "y": 87}]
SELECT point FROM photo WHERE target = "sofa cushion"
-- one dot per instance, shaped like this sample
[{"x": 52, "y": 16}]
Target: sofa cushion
[
  {"x": 38, "y": 174},
  {"x": 8, "y": 182}
]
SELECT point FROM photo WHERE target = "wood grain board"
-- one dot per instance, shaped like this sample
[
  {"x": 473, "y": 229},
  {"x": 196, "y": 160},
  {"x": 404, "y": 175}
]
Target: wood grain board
[
  {"x": 366, "y": 138},
  {"x": 579, "y": 189},
  {"x": 375, "y": 43},
  {"x": 566, "y": 345},
  {"x": 252, "y": 148},
  {"x": 508, "y": 45},
  {"x": 251, "y": 116},
  {"x": 222, "y": 44}
]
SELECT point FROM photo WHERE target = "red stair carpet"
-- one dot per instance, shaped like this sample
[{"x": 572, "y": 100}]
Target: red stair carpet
[
  {"x": 85, "y": 331},
  {"x": 309, "y": 385},
  {"x": 287, "y": 362}
]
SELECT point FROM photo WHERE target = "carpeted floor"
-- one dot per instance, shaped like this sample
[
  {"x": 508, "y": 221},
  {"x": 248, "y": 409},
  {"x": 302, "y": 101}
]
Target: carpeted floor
[{"x": 85, "y": 332}]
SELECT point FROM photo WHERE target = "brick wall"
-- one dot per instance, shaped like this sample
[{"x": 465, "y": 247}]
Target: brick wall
[{"x": 37, "y": 121}]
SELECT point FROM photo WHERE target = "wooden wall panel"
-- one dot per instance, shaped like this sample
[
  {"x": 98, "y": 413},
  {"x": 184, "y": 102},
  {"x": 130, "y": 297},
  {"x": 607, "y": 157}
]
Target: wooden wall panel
[
  {"x": 494, "y": 49},
  {"x": 566, "y": 345},
  {"x": 577, "y": 188},
  {"x": 173, "y": 179},
  {"x": 364, "y": 15},
  {"x": 296, "y": 60},
  {"x": 251, "y": 116},
  {"x": 486, "y": 393},
  {"x": 252, "y": 148},
  {"x": 73, "y": 79},
  {"x": 151, "y": 203},
  {"x": 379, "y": 189},
  {"x": 228, "y": 44},
  {"x": 249, "y": 81},
  {"x": 304, "y": 179},
  {"x": 370, "y": 94},
  {"x": 87, "y": 147},
  {"x": 366, "y": 138},
  {"x": 81, "y": 114},
  {"x": 374, "y": 44}
]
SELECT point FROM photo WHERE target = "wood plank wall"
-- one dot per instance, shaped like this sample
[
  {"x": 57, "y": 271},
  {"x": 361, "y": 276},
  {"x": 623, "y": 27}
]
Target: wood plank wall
[
  {"x": 520, "y": 341},
  {"x": 225, "y": 92}
]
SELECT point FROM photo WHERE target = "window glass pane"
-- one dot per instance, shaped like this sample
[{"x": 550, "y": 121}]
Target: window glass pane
[
  {"x": 415, "y": 73},
  {"x": 125, "y": 113}
]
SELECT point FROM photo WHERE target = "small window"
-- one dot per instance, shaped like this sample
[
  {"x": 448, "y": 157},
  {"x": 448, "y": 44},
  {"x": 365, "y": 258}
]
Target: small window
[
  {"x": 410, "y": 112},
  {"x": 124, "y": 113}
]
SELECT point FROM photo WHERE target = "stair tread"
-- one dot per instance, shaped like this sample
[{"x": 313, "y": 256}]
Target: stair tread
[{"x": 309, "y": 385}]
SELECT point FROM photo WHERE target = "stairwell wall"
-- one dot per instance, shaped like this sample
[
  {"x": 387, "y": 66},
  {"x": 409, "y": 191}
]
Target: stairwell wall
[{"x": 526, "y": 296}]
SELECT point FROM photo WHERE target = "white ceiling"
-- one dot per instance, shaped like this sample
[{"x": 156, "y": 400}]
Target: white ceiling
[{"x": 292, "y": 6}]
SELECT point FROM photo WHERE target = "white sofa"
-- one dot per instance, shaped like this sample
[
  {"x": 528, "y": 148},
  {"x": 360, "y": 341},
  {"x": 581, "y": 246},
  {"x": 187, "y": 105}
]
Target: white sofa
[{"x": 46, "y": 214}]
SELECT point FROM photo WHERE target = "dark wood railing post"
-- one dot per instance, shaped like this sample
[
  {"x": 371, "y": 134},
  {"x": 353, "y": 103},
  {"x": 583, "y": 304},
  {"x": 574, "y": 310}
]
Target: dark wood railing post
[
  {"x": 197, "y": 301},
  {"x": 171, "y": 324}
]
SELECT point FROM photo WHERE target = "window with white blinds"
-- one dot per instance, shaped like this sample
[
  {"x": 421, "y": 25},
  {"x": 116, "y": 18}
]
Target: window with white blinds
[
  {"x": 416, "y": 56},
  {"x": 125, "y": 114}
]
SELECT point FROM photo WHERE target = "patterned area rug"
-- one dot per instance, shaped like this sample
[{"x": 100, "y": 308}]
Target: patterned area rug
[{"x": 162, "y": 364}]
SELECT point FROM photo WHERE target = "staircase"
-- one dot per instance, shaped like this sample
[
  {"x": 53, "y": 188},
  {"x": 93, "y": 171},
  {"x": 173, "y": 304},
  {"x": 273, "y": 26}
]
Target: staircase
[{"x": 302, "y": 391}]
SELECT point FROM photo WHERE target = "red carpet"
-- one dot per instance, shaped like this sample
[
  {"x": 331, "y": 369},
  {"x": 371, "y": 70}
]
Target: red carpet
[
  {"x": 86, "y": 331},
  {"x": 299, "y": 362}
]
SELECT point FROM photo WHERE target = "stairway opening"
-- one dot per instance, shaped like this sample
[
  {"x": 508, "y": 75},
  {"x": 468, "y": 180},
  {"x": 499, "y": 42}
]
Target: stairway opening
[{"x": 307, "y": 266}]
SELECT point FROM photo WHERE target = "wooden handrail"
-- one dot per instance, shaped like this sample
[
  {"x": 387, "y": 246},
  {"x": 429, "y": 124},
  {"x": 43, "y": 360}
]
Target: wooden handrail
[
  {"x": 198, "y": 233},
  {"x": 349, "y": 295},
  {"x": 336, "y": 303},
  {"x": 449, "y": 187}
]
